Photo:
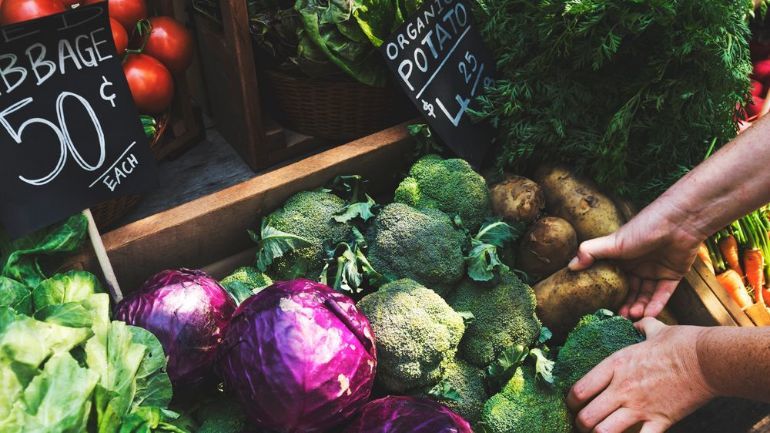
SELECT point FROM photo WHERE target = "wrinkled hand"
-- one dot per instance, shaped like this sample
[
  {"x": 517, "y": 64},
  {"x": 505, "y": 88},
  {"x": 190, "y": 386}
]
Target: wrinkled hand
[
  {"x": 654, "y": 251},
  {"x": 652, "y": 384}
]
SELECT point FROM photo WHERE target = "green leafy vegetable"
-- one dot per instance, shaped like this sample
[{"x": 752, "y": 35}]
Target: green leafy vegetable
[
  {"x": 445, "y": 391},
  {"x": 629, "y": 93},
  {"x": 484, "y": 258},
  {"x": 273, "y": 243}
]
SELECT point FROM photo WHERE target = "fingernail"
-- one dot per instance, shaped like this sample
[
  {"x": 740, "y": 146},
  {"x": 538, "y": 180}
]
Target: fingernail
[{"x": 573, "y": 262}]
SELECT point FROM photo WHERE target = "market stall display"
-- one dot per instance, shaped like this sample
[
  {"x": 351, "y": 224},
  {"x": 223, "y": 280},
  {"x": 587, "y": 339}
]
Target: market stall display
[{"x": 386, "y": 285}]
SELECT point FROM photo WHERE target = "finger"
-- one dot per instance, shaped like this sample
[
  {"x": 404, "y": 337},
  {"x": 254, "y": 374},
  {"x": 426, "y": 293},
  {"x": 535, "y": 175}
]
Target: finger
[
  {"x": 590, "y": 385},
  {"x": 619, "y": 421},
  {"x": 661, "y": 296},
  {"x": 595, "y": 412},
  {"x": 653, "y": 427},
  {"x": 645, "y": 294},
  {"x": 593, "y": 250},
  {"x": 634, "y": 283},
  {"x": 649, "y": 327}
]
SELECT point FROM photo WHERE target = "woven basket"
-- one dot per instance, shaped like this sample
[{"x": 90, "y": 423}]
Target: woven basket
[
  {"x": 108, "y": 212},
  {"x": 332, "y": 110}
]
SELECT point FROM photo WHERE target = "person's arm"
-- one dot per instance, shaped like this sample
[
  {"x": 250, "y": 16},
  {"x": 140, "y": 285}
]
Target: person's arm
[
  {"x": 735, "y": 360},
  {"x": 658, "y": 246}
]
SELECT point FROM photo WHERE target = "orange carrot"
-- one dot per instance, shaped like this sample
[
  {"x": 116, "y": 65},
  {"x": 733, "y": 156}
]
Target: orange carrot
[
  {"x": 729, "y": 248},
  {"x": 733, "y": 284},
  {"x": 754, "y": 263},
  {"x": 703, "y": 253}
]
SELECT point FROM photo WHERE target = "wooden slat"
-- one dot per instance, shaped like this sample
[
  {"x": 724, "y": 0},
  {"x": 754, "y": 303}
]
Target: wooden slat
[
  {"x": 205, "y": 230},
  {"x": 710, "y": 281}
]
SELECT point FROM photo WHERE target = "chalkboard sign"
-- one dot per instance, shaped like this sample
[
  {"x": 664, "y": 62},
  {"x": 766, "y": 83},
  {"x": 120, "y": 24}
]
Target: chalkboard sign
[
  {"x": 70, "y": 135},
  {"x": 440, "y": 60}
]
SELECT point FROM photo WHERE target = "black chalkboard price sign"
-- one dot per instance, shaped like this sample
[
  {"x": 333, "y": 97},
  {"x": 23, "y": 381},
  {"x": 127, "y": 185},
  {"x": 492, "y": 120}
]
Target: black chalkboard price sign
[
  {"x": 440, "y": 60},
  {"x": 70, "y": 135}
]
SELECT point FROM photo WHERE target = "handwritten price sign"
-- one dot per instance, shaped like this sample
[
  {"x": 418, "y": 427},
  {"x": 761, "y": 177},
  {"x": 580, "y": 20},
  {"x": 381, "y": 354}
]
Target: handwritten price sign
[
  {"x": 440, "y": 60},
  {"x": 70, "y": 135}
]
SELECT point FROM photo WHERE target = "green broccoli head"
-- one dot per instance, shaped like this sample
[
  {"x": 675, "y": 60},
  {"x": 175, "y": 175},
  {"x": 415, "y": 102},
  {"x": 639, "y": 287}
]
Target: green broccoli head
[
  {"x": 462, "y": 389},
  {"x": 526, "y": 404},
  {"x": 310, "y": 215},
  {"x": 416, "y": 331},
  {"x": 595, "y": 337},
  {"x": 423, "y": 245},
  {"x": 504, "y": 316},
  {"x": 244, "y": 282},
  {"x": 449, "y": 185}
]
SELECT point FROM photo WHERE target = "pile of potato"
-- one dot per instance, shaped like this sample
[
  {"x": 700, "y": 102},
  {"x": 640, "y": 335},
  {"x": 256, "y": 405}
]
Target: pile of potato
[{"x": 561, "y": 210}]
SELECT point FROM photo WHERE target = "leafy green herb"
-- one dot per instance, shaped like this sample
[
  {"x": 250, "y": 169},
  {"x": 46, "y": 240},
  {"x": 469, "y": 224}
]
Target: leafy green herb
[
  {"x": 445, "y": 391},
  {"x": 273, "y": 243}
]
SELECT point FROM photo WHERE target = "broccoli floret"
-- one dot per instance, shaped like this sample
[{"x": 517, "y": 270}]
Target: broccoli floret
[
  {"x": 416, "y": 331},
  {"x": 422, "y": 245},
  {"x": 462, "y": 389},
  {"x": 222, "y": 416},
  {"x": 504, "y": 316},
  {"x": 244, "y": 282},
  {"x": 449, "y": 185},
  {"x": 310, "y": 215},
  {"x": 595, "y": 337},
  {"x": 526, "y": 405}
]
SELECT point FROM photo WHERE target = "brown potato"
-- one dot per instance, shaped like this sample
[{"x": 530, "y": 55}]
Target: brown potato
[
  {"x": 547, "y": 246},
  {"x": 566, "y": 296},
  {"x": 577, "y": 200},
  {"x": 517, "y": 199}
]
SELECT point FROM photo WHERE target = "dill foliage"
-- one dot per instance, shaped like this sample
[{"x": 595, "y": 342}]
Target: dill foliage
[{"x": 629, "y": 92}]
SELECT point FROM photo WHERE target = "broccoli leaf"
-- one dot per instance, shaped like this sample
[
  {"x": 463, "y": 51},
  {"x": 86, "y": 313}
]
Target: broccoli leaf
[
  {"x": 445, "y": 391},
  {"x": 503, "y": 368},
  {"x": 362, "y": 210},
  {"x": 15, "y": 295},
  {"x": 543, "y": 365},
  {"x": 426, "y": 141},
  {"x": 273, "y": 243},
  {"x": 468, "y": 317},
  {"x": 484, "y": 257},
  {"x": 545, "y": 335}
]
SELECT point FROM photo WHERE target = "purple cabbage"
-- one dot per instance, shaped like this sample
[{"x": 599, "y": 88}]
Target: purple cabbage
[
  {"x": 299, "y": 356},
  {"x": 189, "y": 312},
  {"x": 395, "y": 414}
]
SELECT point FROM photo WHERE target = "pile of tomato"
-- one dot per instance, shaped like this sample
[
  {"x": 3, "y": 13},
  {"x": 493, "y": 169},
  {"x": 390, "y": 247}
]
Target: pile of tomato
[{"x": 154, "y": 49}]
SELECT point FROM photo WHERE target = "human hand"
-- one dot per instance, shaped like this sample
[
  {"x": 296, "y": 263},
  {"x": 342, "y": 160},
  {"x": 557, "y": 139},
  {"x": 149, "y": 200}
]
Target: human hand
[
  {"x": 652, "y": 384},
  {"x": 655, "y": 252}
]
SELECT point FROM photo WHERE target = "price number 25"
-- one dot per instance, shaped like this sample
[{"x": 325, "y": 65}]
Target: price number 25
[
  {"x": 66, "y": 146},
  {"x": 472, "y": 72}
]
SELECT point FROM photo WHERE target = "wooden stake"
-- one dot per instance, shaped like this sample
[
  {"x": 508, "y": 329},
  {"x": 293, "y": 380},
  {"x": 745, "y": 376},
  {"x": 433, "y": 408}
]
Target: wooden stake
[{"x": 104, "y": 260}]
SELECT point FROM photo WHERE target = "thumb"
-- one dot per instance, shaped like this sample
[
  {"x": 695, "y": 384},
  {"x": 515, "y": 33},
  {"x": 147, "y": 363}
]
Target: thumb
[
  {"x": 591, "y": 251},
  {"x": 649, "y": 326}
]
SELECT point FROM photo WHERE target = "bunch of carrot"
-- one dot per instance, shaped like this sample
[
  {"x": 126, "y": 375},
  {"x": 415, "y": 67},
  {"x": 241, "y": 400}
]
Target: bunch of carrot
[{"x": 739, "y": 256}]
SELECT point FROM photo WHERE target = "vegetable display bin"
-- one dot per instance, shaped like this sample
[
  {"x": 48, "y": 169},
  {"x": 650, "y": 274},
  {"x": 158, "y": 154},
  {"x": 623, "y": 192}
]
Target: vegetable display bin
[{"x": 210, "y": 233}]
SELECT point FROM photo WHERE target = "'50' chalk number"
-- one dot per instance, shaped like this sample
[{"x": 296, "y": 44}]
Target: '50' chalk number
[{"x": 66, "y": 146}]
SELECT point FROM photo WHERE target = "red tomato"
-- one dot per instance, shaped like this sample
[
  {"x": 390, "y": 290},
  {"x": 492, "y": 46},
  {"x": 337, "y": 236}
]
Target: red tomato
[
  {"x": 16, "y": 11},
  {"x": 70, "y": 3},
  {"x": 127, "y": 12},
  {"x": 150, "y": 82},
  {"x": 757, "y": 88},
  {"x": 171, "y": 43},
  {"x": 119, "y": 35}
]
